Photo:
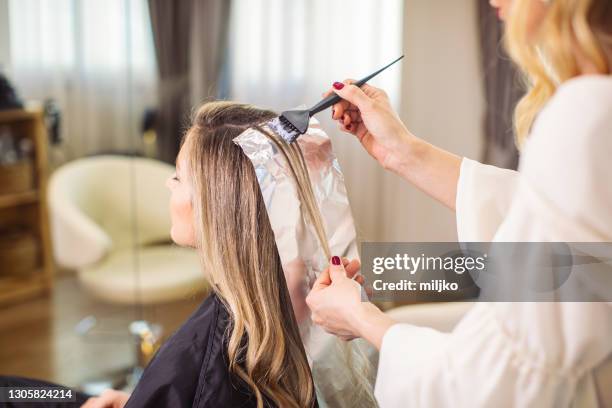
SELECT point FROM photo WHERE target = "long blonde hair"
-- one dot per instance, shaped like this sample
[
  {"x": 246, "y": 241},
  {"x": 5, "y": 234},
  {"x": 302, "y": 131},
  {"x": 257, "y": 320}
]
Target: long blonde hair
[
  {"x": 549, "y": 58},
  {"x": 239, "y": 255}
]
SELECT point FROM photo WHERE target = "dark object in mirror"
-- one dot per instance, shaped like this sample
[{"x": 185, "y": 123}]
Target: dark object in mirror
[
  {"x": 53, "y": 121},
  {"x": 8, "y": 96},
  {"x": 149, "y": 120}
]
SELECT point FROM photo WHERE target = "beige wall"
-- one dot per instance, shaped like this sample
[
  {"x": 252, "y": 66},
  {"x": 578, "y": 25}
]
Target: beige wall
[{"x": 442, "y": 102}]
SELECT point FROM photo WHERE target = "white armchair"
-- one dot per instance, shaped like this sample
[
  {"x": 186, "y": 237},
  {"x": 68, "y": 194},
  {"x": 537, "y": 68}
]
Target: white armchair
[{"x": 109, "y": 216}]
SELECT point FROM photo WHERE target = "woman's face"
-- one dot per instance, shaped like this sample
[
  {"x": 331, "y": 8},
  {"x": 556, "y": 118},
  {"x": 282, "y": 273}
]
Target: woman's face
[
  {"x": 537, "y": 11},
  {"x": 502, "y": 7},
  {"x": 181, "y": 193}
]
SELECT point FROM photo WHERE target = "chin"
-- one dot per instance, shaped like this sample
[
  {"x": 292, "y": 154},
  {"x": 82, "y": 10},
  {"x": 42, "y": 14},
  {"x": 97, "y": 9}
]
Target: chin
[
  {"x": 179, "y": 239},
  {"x": 176, "y": 238}
]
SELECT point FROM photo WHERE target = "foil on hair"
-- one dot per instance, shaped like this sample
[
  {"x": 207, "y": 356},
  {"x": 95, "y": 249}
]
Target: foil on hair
[{"x": 301, "y": 253}]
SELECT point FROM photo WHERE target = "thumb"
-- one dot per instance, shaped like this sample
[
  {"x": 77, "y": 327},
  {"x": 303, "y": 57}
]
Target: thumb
[
  {"x": 336, "y": 269},
  {"x": 353, "y": 94}
]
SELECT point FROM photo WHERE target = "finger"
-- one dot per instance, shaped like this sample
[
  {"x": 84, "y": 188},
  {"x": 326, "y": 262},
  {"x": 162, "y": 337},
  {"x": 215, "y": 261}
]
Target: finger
[
  {"x": 339, "y": 108},
  {"x": 346, "y": 119},
  {"x": 104, "y": 400},
  {"x": 330, "y": 91},
  {"x": 351, "y": 128},
  {"x": 353, "y": 94},
  {"x": 372, "y": 90},
  {"x": 369, "y": 292},
  {"x": 93, "y": 402},
  {"x": 89, "y": 402},
  {"x": 336, "y": 269},
  {"x": 349, "y": 125},
  {"x": 354, "y": 115},
  {"x": 360, "y": 279},
  {"x": 347, "y": 338},
  {"x": 352, "y": 267},
  {"x": 323, "y": 280}
]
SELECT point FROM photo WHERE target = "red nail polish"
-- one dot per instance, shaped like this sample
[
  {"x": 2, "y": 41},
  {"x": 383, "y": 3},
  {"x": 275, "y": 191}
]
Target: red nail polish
[
  {"x": 338, "y": 85},
  {"x": 335, "y": 260}
]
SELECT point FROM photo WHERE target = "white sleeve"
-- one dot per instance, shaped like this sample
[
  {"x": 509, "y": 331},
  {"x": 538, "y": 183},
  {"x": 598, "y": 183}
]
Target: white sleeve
[
  {"x": 408, "y": 352},
  {"x": 477, "y": 365},
  {"x": 500, "y": 354},
  {"x": 484, "y": 194}
]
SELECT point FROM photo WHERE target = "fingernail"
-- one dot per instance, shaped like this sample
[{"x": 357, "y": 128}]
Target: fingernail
[
  {"x": 338, "y": 85},
  {"x": 349, "y": 126},
  {"x": 335, "y": 260}
]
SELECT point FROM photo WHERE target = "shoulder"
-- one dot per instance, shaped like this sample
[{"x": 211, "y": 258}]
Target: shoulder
[
  {"x": 194, "y": 334},
  {"x": 579, "y": 115},
  {"x": 572, "y": 137},
  {"x": 566, "y": 158},
  {"x": 172, "y": 376},
  {"x": 202, "y": 321},
  {"x": 590, "y": 94}
]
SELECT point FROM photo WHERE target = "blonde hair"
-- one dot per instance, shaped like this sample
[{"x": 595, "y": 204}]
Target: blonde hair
[
  {"x": 570, "y": 27},
  {"x": 238, "y": 251}
]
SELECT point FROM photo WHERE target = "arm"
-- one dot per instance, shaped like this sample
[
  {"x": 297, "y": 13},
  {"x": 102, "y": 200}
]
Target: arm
[
  {"x": 432, "y": 170},
  {"x": 372, "y": 324}
]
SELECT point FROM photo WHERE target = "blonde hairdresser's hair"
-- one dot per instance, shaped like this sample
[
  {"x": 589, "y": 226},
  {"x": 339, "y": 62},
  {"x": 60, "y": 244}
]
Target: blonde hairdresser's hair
[
  {"x": 239, "y": 255},
  {"x": 549, "y": 58}
]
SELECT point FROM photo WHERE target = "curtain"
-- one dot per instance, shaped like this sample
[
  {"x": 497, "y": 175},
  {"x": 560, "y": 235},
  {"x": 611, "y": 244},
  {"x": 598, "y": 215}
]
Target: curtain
[
  {"x": 95, "y": 58},
  {"x": 189, "y": 42},
  {"x": 287, "y": 53},
  {"x": 209, "y": 50},
  {"x": 502, "y": 91}
]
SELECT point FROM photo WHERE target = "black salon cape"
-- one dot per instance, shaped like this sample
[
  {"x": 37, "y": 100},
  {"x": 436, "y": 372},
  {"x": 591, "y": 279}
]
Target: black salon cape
[{"x": 191, "y": 368}]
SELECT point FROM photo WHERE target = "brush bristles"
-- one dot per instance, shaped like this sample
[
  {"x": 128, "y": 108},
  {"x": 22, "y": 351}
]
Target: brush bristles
[{"x": 285, "y": 129}]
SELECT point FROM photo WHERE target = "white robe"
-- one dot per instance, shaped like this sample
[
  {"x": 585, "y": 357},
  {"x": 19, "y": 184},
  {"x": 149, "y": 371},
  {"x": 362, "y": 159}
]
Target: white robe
[{"x": 522, "y": 354}]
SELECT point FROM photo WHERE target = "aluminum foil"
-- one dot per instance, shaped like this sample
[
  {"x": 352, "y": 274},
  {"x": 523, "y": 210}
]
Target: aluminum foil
[{"x": 302, "y": 256}]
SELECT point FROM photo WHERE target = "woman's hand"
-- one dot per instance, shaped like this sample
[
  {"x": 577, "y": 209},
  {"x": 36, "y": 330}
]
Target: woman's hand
[
  {"x": 108, "y": 399},
  {"x": 335, "y": 302},
  {"x": 366, "y": 112}
]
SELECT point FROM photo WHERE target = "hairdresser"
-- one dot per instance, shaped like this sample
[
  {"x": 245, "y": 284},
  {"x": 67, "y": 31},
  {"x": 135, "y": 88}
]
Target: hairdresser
[{"x": 502, "y": 354}]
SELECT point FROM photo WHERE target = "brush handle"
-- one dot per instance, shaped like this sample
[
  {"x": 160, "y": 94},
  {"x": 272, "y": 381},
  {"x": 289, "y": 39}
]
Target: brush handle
[{"x": 334, "y": 99}]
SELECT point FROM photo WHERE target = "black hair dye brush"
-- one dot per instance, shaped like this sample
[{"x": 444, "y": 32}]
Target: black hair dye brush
[{"x": 291, "y": 124}]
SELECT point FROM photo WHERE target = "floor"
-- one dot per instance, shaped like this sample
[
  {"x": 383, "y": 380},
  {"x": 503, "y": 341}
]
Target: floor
[{"x": 38, "y": 337}]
